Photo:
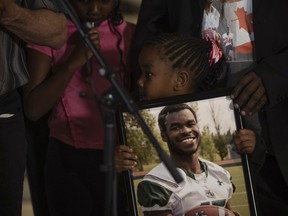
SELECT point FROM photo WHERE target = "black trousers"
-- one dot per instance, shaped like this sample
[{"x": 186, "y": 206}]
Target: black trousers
[
  {"x": 271, "y": 189},
  {"x": 75, "y": 184},
  {"x": 12, "y": 159},
  {"x": 38, "y": 137}
]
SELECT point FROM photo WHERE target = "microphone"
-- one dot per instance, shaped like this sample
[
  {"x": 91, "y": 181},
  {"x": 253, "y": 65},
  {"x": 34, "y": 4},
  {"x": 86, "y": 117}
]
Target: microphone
[{"x": 89, "y": 25}]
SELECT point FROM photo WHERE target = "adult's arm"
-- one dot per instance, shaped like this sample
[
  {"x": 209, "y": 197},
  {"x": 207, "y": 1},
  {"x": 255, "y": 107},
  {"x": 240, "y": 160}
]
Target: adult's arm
[
  {"x": 273, "y": 71},
  {"x": 41, "y": 26},
  {"x": 273, "y": 65},
  {"x": 267, "y": 84}
]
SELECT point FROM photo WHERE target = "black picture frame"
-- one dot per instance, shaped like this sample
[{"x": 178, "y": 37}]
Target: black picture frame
[{"x": 230, "y": 119}]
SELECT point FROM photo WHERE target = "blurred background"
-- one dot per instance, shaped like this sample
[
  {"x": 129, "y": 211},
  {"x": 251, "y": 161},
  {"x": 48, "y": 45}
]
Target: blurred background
[{"x": 130, "y": 9}]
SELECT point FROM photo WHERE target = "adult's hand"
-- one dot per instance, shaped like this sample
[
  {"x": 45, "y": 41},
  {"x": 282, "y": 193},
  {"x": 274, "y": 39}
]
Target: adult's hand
[
  {"x": 249, "y": 94},
  {"x": 244, "y": 140}
]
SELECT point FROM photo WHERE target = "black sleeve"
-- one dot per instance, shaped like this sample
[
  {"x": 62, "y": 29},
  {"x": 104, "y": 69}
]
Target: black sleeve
[{"x": 274, "y": 73}]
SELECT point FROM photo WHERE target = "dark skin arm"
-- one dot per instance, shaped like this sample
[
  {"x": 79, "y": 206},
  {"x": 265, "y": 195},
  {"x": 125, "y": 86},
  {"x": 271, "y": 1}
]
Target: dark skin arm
[
  {"x": 245, "y": 141},
  {"x": 44, "y": 88},
  {"x": 125, "y": 159}
]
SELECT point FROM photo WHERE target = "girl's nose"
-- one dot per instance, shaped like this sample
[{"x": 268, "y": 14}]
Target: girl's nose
[
  {"x": 140, "y": 82},
  {"x": 95, "y": 7}
]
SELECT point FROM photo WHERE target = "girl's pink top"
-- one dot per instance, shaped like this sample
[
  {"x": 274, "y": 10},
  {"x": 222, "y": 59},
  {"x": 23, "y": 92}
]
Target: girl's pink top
[{"x": 79, "y": 121}]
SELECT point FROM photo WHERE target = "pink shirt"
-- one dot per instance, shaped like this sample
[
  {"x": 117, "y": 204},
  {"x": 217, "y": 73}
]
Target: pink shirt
[{"x": 75, "y": 120}]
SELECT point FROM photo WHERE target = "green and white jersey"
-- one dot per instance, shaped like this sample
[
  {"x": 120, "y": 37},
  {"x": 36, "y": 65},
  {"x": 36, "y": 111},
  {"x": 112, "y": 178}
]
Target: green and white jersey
[{"x": 158, "y": 191}]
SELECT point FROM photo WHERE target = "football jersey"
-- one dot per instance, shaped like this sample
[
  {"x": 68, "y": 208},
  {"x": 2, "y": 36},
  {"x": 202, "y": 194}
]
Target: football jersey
[{"x": 158, "y": 191}]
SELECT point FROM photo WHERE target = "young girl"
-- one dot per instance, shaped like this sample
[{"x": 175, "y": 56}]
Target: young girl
[
  {"x": 74, "y": 183},
  {"x": 172, "y": 65}
]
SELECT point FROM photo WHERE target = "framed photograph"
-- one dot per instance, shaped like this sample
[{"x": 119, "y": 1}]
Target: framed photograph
[
  {"x": 228, "y": 23},
  {"x": 217, "y": 121}
]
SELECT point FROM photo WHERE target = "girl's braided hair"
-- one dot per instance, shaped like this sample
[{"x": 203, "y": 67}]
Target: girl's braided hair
[
  {"x": 115, "y": 19},
  {"x": 191, "y": 53}
]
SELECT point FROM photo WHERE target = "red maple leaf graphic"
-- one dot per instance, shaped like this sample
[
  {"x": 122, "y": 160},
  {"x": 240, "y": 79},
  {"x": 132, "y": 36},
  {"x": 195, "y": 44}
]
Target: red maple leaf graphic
[{"x": 241, "y": 14}]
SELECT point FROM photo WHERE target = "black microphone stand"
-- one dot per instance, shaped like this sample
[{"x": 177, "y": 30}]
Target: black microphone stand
[
  {"x": 108, "y": 166},
  {"x": 132, "y": 108}
]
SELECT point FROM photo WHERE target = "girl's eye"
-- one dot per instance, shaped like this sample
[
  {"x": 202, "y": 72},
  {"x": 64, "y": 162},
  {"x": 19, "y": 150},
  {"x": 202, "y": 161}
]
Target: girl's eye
[{"x": 147, "y": 75}]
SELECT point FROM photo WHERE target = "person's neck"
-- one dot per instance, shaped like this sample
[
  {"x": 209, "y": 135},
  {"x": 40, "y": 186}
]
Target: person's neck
[{"x": 190, "y": 163}]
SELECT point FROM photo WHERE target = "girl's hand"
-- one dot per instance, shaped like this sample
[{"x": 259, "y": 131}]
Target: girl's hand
[
  {"x": 125, "y": 159},
  {"x": 245, "y": 140},
  {"x": 93, "y": 34},
  {"x": 82, "y": 53}
]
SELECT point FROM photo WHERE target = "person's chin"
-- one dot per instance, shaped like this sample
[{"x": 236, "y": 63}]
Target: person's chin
[
  {"x": 191, "y": 151},
  {"x": 188, "y": 151},
  {"x": 191, "y": 148}
]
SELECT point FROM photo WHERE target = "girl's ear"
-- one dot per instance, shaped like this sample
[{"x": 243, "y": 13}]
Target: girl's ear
[{"x": 182, "y": 80}]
